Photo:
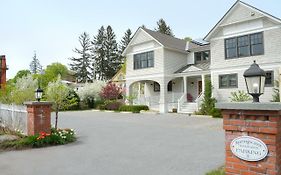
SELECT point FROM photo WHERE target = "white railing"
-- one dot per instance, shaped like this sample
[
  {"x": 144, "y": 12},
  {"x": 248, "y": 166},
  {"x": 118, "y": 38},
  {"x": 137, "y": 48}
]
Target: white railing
[
  {"x": 181, "y": 100},
  {"x": 14, "y": 117},
  {"x": 198, "y": 100}
]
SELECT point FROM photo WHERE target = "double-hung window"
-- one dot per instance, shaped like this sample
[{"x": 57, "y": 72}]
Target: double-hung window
[
  {"x": 228, "y": 81},
  {"x": 242, "y": 46},
  {"x": 144, "y": 60}
]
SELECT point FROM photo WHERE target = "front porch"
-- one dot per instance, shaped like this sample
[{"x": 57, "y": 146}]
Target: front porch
[{"x": 182, "y": 93}]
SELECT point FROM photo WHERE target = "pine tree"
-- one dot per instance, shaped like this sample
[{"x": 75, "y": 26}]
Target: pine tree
[
  {"x": 162, "y": 27},
  {"x": 82, "y": 65},
  {"x": 112, "y": 55},
  {"x": 125, "y": 40},
  {"x": 98, "y": 52},
  {"x": 35, "y": 66}
]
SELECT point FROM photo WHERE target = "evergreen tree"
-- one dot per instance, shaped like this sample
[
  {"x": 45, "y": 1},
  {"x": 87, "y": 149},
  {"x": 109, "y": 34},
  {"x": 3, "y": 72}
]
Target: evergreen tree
[
  {"x": 125, "y": 40},
  {"x": 111, "y": 54},
  {"x": 82, "y": 65},
  {"x": 162, "y": 27},
  {"x": 35, "y": 66},
  {"x": 98, "y": 52}
]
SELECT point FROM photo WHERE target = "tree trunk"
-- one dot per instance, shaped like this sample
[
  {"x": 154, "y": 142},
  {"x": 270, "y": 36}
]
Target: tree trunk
[{"x": 56, "y": 122}]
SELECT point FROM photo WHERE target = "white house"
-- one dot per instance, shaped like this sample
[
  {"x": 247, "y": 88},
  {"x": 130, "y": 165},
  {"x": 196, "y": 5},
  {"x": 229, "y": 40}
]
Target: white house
[{"x": 167, "y": 72}]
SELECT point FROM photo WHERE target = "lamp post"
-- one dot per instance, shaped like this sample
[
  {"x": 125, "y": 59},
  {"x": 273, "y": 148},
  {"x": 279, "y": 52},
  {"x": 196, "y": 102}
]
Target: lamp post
[
  {"x": 38, "y": 94},
  {"x": 255, "y": 80}
]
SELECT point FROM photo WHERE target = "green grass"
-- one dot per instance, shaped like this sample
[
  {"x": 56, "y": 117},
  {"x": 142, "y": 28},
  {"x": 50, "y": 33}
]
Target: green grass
[{"x": 219, "y": 171}]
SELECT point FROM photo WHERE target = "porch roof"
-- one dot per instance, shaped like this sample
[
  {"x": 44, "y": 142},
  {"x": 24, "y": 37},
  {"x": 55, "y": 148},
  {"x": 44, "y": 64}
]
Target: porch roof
[{"x": 196, "y": 67}]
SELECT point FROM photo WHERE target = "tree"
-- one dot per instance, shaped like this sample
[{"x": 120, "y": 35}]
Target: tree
[
  {"x": 35, "y": 66},
  {"x": 111, "y": 54},
  {"x": 162, "y": 27},
  {"x": 125, "y": 40},
  {"x": 24, "y": 89},
  {"x": 98, "y": 52},
  {"x": 82, "y": 65},
  {"x": 111, "y": 91},
  {"x": 187, "y": 38},
  {"x": 57, "y": 92},
  {"x": 52, "y": 72},
  {"x": 20, "y": 74},
  {"x": 208, "y": 102},
  {"x": 90, "y": 92}
]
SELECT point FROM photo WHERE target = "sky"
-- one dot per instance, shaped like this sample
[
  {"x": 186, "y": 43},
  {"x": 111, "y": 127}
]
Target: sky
[{"x": 52, "y": 27}]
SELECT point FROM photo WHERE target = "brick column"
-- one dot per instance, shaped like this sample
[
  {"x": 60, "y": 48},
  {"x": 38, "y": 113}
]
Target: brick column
[
  {"x": 259, "y": 120},
  {"x": 39, "y": 117}
]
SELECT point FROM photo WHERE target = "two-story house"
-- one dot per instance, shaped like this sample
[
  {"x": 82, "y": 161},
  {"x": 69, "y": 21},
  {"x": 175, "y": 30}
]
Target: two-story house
[{"x": 165, "y": 72}]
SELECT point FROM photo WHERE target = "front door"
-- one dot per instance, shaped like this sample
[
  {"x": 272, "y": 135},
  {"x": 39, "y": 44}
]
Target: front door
[{"x": 199, "y": 87}]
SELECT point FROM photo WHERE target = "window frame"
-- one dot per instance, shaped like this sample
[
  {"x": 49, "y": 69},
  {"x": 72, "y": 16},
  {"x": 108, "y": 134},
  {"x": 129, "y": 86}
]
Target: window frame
[
  {"x": 202, "y": 56},
  {"x": 143, "y": 60},
  {"x": 228, "y": 81},
  {"x": 250, "y": 45},
  {"x": 272, "y": 79}
]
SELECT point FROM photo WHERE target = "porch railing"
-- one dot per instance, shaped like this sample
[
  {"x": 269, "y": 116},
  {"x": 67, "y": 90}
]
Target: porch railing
[
  {"x": 181, "y": 100},
  {"x": 198, "y": 100}
]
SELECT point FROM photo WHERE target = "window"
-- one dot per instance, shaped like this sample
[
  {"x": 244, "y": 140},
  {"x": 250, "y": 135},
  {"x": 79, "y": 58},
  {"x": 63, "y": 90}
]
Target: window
[
  {"x": 269, "y": 78},
  {"x": 202, "y": 56},
  {"x": 170, "y": 86},
  {"x": 144, "y": 60},
  {"x": 156, "y": 87},
  {"x": 242, "y": 46},
  {"x": 231, "y": 48},
  {"x": 228, "y": 81},
  {"x": 257, "y": 44}
]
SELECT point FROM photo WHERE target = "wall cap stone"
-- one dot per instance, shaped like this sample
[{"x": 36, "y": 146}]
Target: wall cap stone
[
  {"x": 36, "y": 103},
  {"x": 269, "y": 106}
]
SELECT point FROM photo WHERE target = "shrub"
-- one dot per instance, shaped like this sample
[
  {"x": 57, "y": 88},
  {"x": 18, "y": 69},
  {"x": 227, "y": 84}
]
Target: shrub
[
  {"x": 97, "y": 103},
  {"x": 133, "y": 108},
  {"x": 113, "y": 105},
  {"x": 239, "y": 96},
  {"x": 276, "y": 94},
  {"x": 208, "y": 103},
  {"x": 111, "y": 92},
  {"x": 72, "y": 96}
]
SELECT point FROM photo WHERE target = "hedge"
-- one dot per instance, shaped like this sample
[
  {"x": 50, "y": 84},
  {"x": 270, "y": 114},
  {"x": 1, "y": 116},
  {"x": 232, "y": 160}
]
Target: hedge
[{"x": 133, "y": 108}]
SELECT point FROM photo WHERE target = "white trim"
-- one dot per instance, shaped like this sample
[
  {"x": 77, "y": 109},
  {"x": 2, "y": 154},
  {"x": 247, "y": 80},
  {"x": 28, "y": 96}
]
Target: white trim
[
  {"x": 145, "y": 50},
  {"x": 264, "y": 66},
  {"x": 242, "y": 21},
  {"x": 245, "y": 33},
  {"x": 150, "y": 76},
  {"x": 207, "y": 38},
  {"x": 135, "y": 35}
]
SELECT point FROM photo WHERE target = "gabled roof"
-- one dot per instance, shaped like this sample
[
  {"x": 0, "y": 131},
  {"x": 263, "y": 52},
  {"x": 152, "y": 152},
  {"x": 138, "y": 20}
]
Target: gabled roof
[
  {"x": 194, "y": 67},
  {"x": 166, "y": 40},
  {"x": 163, "y": 39},
  {"x": 207, "y": 37}
]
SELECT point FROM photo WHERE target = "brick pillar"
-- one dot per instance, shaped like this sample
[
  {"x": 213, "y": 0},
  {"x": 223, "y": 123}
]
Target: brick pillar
[
  {"x": 39, "y": 117},
  {"x": 259, "y": 120},
  {"x": 3, "y": 72}
]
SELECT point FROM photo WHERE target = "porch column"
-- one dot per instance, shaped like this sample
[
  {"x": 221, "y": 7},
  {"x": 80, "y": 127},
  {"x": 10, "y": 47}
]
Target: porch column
[
  {"x": 203, "y": 83},
  {"x": 184, "y": 85},
  {"x": 139, "y": 90},
  {"x": 163, "y": 105}
]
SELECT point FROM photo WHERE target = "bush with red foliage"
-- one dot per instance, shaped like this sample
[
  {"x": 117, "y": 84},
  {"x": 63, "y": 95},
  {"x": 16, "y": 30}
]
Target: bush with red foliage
[{"x": 111, "y": 92}]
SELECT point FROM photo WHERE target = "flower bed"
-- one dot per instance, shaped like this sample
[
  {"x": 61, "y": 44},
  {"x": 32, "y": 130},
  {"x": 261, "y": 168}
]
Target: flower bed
[{"x": 57, "y": 137}]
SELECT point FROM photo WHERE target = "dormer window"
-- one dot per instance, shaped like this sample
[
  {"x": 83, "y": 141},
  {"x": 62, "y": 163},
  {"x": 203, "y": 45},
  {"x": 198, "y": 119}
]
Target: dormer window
[
  {"x": 202, "y": 56},
  {"x": 243, "y": 46},
  {"x": 144, "y": 60}
]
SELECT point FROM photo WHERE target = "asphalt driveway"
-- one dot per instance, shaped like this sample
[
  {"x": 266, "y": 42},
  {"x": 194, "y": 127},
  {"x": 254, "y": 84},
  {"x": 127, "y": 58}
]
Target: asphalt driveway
[{"x": 126, "y": 144}]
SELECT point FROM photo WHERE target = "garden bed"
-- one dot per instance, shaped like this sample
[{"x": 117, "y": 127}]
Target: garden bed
[{"x": 18, "y": 141}]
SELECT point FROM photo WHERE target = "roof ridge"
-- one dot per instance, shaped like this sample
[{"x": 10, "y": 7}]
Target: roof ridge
[{"x": 162, "y": 33}]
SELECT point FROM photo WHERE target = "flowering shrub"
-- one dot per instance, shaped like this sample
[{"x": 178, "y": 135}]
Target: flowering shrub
[{"x": 111, "y": 92}]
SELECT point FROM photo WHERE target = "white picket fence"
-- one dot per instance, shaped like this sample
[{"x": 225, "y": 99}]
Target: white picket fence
[{"x": 14, "y": 117}]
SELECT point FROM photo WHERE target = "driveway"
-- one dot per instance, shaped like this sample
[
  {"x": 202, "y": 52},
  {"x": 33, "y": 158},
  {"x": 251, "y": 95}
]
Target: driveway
[{"x": 126, "y": 144}]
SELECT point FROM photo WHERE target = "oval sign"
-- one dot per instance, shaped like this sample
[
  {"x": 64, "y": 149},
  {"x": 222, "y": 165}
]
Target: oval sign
[{"x": 249, "y": 148}]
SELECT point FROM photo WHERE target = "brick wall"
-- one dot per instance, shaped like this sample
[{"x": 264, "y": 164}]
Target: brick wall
[{"x": 264, "y": 125}]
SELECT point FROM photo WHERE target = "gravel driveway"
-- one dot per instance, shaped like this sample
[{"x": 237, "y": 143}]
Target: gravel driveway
[{"x": 126, "y": 144}]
